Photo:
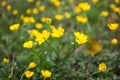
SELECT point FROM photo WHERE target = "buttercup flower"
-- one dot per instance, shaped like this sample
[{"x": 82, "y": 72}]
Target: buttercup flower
[
  {"x": 32, "y": 65},
  {"x": 114, "y": 41},
  {"x": 28, "y": 74},
  {"x": 5, "y": 60},
  {"x": 28, "y": 44},
  {"x": 14, "y": 27},
  {"x": 102, "y": 67},
  {"x": 46, "y": 73},
  {"x": 80, "y": 38},
  {"x": 113, "y": 26},
  {"x": 104, "y": 13},
  {"x": 58, "y": 17},
  {"x": 38, "y": 25},
  {"x": 57, "y": 32}
]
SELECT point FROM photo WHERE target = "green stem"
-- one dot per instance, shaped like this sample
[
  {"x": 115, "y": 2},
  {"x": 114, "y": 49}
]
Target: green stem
[
  {"x": 36, "y": 53},
  {"x": 23, "y": 74}
]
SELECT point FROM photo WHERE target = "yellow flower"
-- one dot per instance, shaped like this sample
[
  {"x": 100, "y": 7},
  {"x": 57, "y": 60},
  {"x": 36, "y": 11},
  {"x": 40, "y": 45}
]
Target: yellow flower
[
  {"x": 32, "y": 65},
  {"x": 45, "y": 34},
  {"x": 28, "y": 74},
  {"x": 3, "y": 3},
  {"x": 84, "y": 6},
  {"x": 28, "y": 11},
  {"x": 67, "y": 15},
  {"x": 114, "y": 41},
  {"x": 10, "y": 76},
  {"x": 43, "y": 19},
  {"x": 28, "y": 44},
  {"x": 57, "y": 32},
  {"x": 40, "y": 39},
  {"x": 102, "y": 67},
  {"x": 77, "y": 9},
  {"x": 95, "y": 47},
  {"x": 55, "y": 2},
  {"x": 9, "y": 7},
  {"x": 31, "y": 19},
  {"x": 59, "y": 17},
  {"x": 95, "y": 1},
  {"x": 38, "y": 25},
  {"x": 35, "y": 11},
  {"x": 14, "y": 27},
  {"x": 30, "y": 1},
  {"x": 46, "y": 73},
  {"x": 5, "y": 60},
  {"x": 34, "y": 33},
  {"x": 117, "y": 1},
  {"x": 113, "y": 26},
  {"x": 80, "y": 38},
  {"x": 42, "y": 8},
  {"x": 104, "y": 13},
  {"x": 81, "y": 19},
  {"x": 15, "y": 12}
]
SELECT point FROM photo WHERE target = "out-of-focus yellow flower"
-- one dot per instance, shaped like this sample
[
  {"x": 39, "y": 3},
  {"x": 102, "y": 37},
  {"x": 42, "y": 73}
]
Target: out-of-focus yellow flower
[
  {"x": 37, "y": 3},
  {"x": 57, "y": 32},
  {"x": 43, "y": 19},
  {"x": 30, "y": 1},
  {"x": 95, "y": 47},
  {"x": 46, "y": 73},
  {"x": 42, "y": 8},
  {"x": 113, "y": 26},
  {"x": 105, "y": 13},
  {"x": 15, "y": 12},
  {"x": 28, "y": 11},
  {"x": 112, "y": 6},
  {"x": 46, "y": 34},
  {"x": 28, "y": 44},
  {"x": 80, "y": 38},
  {"x": 35, "y": 11},
  {"x": 28, "y": 74},
  {"x": 55, "y": 2},
  {"x": 95, "y": 1},
  {"x": 114, "y": 41},
  {"x": 10, "y": 76},
  {"x": 117, "y": 1},
  {"x": 67, "y": 15},
  {"x": 102, "y": 67},
  {"x": 25, "y": 19},
  {"x": 21, "y": 16},
  {"x": 32, "y": 65},
  {"x": 84, "y": 6},
  {"x": 3, "y": 3},
  {"x": 9, "y": 7},
  {"x": 28, "y": 19},
  {"x": 14, "y": 27},
  {"x": 59, "y": 17},
  {"x": 77, "y": 9},
  {"x": 81, "y": 19},
  {"x": 5, "y": 60},
  {"x": 40, "y": 40},
  {"x": 35, "y": 33},
  {"x": 38, "y": 25}
]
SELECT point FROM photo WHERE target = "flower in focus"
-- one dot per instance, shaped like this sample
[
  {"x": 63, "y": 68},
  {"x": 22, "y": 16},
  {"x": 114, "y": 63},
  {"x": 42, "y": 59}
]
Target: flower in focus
[
  {"x": 80, "y": 38},
  {"x": 5, "y": 60},
  {"x": 102, "y": 67},
  {"x": 14, "y": 27},
  {"x": 32, "y": 65},
  {"x": 28, "y": 44},
  {"x": 28, "y": 74},
  {"x": 46, "y": 73},
  {"x": 113, "y": 26},
  {"x": 57, "y": 32},
  {"x": 114, "y": 41}
]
